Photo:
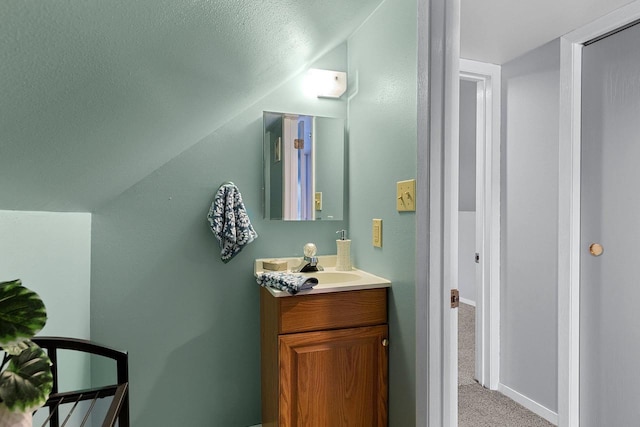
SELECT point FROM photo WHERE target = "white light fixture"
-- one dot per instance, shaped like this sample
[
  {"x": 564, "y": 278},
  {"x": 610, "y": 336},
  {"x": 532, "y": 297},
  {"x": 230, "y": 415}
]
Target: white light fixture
[{"x": 327, "y": 83}]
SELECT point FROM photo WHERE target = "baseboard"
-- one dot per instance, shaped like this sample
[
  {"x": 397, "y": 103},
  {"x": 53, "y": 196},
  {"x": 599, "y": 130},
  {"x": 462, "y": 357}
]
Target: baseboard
[
  {"x": 531, "y": 405},
  {"x": 257, "y": 425},
  {"x": 467, "y": 301}
]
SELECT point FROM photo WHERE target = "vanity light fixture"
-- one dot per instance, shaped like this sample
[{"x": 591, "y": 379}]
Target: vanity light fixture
[{"x": 327, "y": 83}]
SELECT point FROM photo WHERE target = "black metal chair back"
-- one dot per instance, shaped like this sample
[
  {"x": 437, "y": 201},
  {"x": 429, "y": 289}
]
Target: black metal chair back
[{"x": 119, "y": 407}]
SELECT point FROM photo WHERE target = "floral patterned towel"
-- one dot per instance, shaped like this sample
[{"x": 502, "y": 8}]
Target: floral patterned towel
[
  {"x": 292, "y": 283},
  {"x": 229, "y": 221}
]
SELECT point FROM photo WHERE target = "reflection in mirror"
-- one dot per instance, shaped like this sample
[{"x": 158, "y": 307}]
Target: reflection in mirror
[{"x": 303, "y": 158}]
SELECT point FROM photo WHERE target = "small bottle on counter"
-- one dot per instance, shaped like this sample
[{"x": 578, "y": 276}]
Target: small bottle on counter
[{"x": 343, "y": 261}]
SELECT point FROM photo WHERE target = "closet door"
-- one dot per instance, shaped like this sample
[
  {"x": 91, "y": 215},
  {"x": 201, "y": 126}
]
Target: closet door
[{"x": 610, "y": 232}]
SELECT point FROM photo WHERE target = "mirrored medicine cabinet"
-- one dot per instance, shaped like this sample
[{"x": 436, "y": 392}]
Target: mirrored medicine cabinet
[{"x": 303, "y": 165}]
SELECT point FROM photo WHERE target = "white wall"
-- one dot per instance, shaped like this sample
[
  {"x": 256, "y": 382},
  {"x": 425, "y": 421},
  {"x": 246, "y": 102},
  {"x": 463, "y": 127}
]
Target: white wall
[
  {"x": 467, "y": 193},
  {"x": 530, "y": 110},
  {"x": 466, "y": 254},
  {"x": 467, "y": 125},
  {"x": 51, "y": 254}
]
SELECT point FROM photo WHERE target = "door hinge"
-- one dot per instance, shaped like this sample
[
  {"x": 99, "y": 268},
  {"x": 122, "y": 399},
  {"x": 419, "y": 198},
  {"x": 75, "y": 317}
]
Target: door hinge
[
  {"x": 477, "y": 258},
  {"x": 455, "y": 298}
]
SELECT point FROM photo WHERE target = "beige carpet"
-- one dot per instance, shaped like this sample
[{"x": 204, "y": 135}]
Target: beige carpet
[
  {"x": 478, "y": 406},
  {"x": 466, "y": 344}
]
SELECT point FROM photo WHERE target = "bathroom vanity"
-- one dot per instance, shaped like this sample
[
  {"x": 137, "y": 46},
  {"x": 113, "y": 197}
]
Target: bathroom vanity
[{"x": 325, "y": 353}]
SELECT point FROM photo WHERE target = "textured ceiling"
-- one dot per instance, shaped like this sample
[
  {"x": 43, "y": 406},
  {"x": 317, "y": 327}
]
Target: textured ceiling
[
  {"x": 98, "y": 94},
  {"x": 498, "y": 31}
]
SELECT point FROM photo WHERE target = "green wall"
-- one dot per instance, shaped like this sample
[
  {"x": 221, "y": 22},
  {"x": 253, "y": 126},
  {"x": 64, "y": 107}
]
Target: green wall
[
  {"x": 51, "y": 253},
  {"x": 382, "y": 141},
  {"x": 190, "y": 322},
  {"x": 160, "y": 291}
]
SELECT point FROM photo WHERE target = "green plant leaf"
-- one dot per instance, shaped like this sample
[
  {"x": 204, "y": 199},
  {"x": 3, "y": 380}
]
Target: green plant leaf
[
  {"x": 22, "y": 313},
  {"x": 27, "y": 382}
]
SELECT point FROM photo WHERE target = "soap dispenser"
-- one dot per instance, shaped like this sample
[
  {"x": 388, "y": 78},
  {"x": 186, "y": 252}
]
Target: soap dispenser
[{"x": 343, "y": 261}]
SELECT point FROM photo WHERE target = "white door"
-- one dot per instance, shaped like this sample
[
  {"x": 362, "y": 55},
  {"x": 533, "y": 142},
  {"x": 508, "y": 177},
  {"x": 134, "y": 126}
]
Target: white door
[
  {"x": 610, "y": 217},
  {"x": 290, "y": 180}
]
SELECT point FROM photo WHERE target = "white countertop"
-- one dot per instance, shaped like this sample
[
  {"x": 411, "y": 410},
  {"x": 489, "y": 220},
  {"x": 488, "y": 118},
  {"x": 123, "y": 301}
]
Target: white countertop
[{"x": 329, "y": 280}]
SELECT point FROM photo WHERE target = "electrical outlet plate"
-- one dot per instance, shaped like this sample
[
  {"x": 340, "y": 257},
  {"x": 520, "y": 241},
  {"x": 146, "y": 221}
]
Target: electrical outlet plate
[
  {"x": 376, "y": 232},
  {"x": 406, "y": 195}
]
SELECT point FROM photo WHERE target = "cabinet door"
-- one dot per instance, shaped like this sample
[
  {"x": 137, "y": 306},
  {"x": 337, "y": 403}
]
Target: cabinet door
[{"x": 334, "y": 378}]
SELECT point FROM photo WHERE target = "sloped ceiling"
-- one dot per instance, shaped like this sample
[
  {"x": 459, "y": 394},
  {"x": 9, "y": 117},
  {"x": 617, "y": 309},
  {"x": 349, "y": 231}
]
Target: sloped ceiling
[{"x": 98, "y": 94}]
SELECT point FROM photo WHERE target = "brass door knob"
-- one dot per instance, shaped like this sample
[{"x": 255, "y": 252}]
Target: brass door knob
[
  {"x": 385, "y": 342},
  {"x": 596, "y": 249}
]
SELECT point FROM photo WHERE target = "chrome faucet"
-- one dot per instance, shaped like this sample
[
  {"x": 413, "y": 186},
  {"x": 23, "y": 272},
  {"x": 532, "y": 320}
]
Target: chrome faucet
[{"x": 309, "y": 261}]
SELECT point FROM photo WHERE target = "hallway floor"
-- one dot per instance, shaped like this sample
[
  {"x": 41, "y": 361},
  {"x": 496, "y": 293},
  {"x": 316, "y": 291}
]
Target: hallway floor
[{"x": 478, "y": 406}]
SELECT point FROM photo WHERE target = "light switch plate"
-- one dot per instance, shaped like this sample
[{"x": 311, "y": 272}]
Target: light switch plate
[
  {"x": 376, "y": 232},
  {"x": 318, "y": 200},
  {"x": 406, "y": 195}
]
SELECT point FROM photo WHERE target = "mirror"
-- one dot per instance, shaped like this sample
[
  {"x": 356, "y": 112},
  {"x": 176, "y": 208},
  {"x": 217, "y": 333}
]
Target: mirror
[{"x": 303, "y": 165}]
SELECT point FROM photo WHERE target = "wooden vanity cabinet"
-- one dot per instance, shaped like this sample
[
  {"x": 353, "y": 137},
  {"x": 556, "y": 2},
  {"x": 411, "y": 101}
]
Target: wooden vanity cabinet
[{"x": 324, "y": 359}]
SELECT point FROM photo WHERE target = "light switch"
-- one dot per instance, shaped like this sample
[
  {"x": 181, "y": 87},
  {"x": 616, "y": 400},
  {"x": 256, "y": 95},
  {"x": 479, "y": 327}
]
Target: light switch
[
  {"x": 318, "y": 200},
  {"x": 376, "y": 231},
  {"x": 406, "y": 195}
]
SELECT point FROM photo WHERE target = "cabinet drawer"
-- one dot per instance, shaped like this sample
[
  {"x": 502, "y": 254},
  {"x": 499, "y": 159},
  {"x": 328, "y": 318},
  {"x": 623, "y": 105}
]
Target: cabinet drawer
[{"x": 332, "y": 310}]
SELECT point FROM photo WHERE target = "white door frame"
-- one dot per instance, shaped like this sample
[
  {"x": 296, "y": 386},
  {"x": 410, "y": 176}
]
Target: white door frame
[
  {"x": 437, "y": 210},
  {"x": 290, "y": 172},
  {"x": 569, "y": 207},
  {"x": 487, "y": 77}
]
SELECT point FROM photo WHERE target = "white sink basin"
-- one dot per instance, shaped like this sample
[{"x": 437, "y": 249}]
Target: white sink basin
[
  {"x": 328, "y": 277},
  {"x": 329, "y": 280}
]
